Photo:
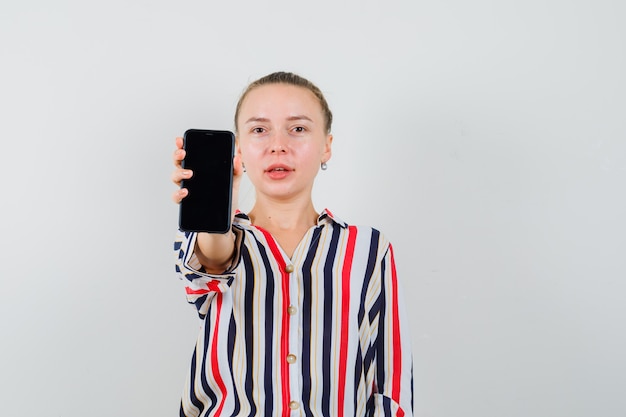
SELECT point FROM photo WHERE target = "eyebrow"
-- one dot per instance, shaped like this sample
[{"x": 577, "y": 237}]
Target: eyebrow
[
  {"x": 290, "y": 118},
  {"x": 300, "y": 117}
]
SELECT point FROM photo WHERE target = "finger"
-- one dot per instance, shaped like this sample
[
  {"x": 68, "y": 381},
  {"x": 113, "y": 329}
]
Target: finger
[
  {"x": 178, "y": 195},
  {"x": 181, "y": 174},
  {"x": 179, "y": 155}
]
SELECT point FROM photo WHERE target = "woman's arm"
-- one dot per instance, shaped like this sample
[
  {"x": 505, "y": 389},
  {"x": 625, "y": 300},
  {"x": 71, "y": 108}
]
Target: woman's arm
[
  {"x": 393, "y": 395},
  {"x": 200, "y": 286},
  {"x": 214, "y": 251}
]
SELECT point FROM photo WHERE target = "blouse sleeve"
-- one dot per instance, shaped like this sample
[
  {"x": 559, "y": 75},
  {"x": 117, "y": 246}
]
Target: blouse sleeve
[
  {"x": 201, "y": 287},
  {"x": 393, "y": 380}
]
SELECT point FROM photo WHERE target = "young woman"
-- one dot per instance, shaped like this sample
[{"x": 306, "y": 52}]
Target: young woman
[{"x": 301, "y": 312}]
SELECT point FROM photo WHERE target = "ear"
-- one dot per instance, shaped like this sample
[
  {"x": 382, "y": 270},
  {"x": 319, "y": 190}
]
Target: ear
[
  {"x": 237, "y": 160},
  {"x": 327, "y": 153},
  {"x": 237, "y": 148}
]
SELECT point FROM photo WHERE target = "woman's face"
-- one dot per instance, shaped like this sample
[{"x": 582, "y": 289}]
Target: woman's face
[{"x": 282, "y": 140}]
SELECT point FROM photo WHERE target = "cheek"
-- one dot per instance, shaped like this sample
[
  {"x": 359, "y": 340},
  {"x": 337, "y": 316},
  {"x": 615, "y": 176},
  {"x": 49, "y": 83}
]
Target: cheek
[
  {"x": 248, "y": 153},
  {"x": 314, "y": 152}
]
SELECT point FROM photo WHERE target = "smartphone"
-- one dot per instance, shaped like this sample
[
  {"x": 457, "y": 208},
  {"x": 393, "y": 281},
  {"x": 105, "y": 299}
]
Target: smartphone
[{"x": 207, "y": 207}]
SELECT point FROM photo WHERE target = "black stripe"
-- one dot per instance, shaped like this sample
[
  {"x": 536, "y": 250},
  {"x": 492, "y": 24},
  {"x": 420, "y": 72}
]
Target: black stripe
[
  {"x": 370, "y": 354},
  {"x": 387, "y": 406},
  {"x": 269, "y": 329},
  {"x": 327, "y": 321},
  {"x": 307, "y": 321},
  {"x": 248, "y": 326},
  {"x": 198, "y": 303},
  {"x": 205, "y": 385},
  {"x": 358, "y": 376},
  {"x": 368, "y": 360},
  {"x": 369, "y": 270},
  {"x": 232, "y": 330},
  {"x": 380, "y": 339},
  {"x": 412, "y": 392},
  {"x": 192, "y": 395}
]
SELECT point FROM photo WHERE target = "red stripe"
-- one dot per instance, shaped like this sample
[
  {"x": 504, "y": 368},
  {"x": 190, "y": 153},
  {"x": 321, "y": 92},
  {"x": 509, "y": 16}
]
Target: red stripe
[
  {"x": 345, "y": 314},
  {"x": 284, "y": 336},
  {"x": 215, "y": 365},
  {"x": 212, "y": 286},
  {"x": 397, "y": 347},
  {"x": 190, "y": 291}
]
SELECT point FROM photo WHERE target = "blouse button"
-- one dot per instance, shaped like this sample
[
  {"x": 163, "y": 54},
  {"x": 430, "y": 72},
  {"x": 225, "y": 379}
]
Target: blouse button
[
  {"x": 291, "y": 358},
  {"x": 291, "y": 310},
  {"x": 289, "y": 268},
  {"x": 294, "y": 405}
]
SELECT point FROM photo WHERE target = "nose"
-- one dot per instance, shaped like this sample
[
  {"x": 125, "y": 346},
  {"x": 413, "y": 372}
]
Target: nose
[{"x": 278, "y": 144}]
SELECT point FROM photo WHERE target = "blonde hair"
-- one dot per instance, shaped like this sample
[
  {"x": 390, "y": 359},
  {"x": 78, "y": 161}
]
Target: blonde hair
[{"x": 290, "y": 79}]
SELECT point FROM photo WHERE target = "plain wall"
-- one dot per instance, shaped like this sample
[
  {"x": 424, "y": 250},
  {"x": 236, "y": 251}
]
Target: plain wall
[{"x": 486, "y": 139}]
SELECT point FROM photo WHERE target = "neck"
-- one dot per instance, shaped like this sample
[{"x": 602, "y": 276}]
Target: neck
[{"x": 278, "y": 215}]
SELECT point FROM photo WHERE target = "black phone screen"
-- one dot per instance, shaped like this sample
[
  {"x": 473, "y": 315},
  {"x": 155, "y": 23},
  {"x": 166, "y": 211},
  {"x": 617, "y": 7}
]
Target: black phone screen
[{"x": 207, "y": 207}]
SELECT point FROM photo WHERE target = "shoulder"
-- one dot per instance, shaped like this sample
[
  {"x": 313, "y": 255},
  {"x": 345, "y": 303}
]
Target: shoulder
[
  {"x": 372, "y": 236},
  {"x": 363, "y": 234}
]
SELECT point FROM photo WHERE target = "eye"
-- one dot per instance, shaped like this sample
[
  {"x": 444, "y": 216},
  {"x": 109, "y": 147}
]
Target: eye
[
  {"x": 299, "y": 129},
  {"x": 258, "y": 130}
]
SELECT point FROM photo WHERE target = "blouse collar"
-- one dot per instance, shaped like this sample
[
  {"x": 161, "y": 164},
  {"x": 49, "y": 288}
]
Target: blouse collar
[{"x": 325, "y": 217}]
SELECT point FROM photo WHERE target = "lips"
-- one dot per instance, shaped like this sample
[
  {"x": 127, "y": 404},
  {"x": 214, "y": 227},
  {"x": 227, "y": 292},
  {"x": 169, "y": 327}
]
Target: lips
[
  {"x": 278, "y": 171},
  {"x": 277, "y": 168}
]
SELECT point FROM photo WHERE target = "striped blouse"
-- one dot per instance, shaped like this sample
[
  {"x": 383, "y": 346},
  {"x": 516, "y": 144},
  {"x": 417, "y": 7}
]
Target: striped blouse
[{"x": 321, "y": 334}]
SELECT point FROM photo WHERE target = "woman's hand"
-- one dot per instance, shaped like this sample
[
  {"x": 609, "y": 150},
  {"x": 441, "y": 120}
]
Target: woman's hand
[
  {"x": 214, "y": 250},
  {"x": 179, "y": 173}
]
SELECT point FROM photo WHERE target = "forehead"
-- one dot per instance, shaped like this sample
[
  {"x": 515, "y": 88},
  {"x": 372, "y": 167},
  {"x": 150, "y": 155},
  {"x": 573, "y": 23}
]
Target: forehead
[{"x": 281, "y": 100}]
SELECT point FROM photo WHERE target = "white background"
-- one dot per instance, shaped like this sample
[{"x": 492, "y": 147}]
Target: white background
[{"x": 486, "y": 139}]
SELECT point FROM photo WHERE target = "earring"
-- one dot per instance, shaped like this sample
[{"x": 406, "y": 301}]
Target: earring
[
  {"x": 244, "y": 167},
  {"x": 323, "y": 166}
]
